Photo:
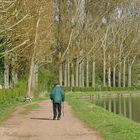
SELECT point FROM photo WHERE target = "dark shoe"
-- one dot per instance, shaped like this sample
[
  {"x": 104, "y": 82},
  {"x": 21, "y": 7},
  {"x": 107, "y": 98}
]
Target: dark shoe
[
  {"x": 58, "y": 118},
  {"x": 54, "y": 118}
]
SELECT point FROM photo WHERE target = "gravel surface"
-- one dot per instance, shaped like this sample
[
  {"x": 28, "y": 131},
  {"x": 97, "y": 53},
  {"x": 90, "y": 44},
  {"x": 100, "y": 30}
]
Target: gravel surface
[{"x": 38, "y": 125}]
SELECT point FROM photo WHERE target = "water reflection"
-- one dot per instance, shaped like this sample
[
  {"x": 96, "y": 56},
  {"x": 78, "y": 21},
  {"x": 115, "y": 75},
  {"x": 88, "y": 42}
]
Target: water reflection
[{"x": 126, "y": 106}]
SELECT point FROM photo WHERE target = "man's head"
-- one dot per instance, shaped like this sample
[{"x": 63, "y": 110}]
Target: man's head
[{"x": 56, "y": 84}]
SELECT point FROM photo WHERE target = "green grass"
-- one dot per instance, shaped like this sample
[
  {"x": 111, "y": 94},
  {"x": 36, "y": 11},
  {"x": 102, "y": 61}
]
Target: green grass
[
  {"x": 40, "y": 99},
  {"x": 29, "y": 108},
  {"x": 111, "y": 126},
  {"x": 8, "y": 107},
  {"x": 10, "y": 98}
]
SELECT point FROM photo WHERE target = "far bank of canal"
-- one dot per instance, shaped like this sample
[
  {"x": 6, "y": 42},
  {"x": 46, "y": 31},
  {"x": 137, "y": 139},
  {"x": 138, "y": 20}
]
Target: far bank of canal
[{"x": 128, "y": 106}]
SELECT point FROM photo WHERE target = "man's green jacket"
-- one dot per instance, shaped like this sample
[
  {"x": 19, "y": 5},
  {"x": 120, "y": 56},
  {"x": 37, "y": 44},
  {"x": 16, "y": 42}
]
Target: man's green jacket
[{"x": 57, "y": 94}]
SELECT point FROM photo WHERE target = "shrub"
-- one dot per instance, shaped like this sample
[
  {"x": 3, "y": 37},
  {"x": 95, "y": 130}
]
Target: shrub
[{"x": 9, "y": 94}]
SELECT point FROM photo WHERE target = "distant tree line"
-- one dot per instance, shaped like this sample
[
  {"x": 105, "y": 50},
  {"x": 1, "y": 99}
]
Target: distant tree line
[{"x": 85, "y": 43}]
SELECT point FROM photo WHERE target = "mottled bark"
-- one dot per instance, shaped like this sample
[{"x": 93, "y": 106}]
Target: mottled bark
[
  {"x": 114, "y": 76},
  {"x": 61, "y": 74},
  {"x": 109, "y": 72},
  {"x": 77, "y": 74},
  {"x": 83, "y": 75},
  {"x": 65, "y": 74},
  {"x": 87, "y": 73},
  {"x": 109, "y": 77},
  {"x": 68, "y": 74},
  {"x": 129, "y": 76},
  {"x": 6, "y": 72},
  {"x": 93, "y": 73},
  {"x": 80, "y": 75},
  {"x": 72, "y": 74},
  {"x": 124, "y": 79},
  {"x": 35, "y": 76},
  {"x": 119, "y": 74},
  {"x": 14, "y": 72},
  {"x": 104, "y": 66}
]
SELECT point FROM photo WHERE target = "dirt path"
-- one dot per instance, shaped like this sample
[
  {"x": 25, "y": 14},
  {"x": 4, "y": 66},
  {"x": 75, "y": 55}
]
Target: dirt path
[{"x": 38, "y": 125}]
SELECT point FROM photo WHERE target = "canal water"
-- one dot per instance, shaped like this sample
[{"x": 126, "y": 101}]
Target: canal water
[{"x": 126, "y": 106}]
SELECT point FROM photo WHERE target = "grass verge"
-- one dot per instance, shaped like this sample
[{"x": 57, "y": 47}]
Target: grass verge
[
  {"x": 8, "y": 107},
  {"x": 112, "y": 126}
]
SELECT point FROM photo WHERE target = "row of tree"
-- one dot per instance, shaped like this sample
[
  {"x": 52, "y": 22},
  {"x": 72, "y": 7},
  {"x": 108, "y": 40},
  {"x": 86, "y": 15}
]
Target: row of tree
[
  {"x": 26, "y": 29},
  {"x": 98, "y": 45},
  {"x": 84, "y": 42}
]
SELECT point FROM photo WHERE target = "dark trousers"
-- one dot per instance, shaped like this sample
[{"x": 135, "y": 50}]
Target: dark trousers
[{"x": 56, "y": 110}]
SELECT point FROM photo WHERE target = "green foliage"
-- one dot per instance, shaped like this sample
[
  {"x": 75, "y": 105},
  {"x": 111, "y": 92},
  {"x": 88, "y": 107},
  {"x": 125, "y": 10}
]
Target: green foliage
[
  {"x": 12, "y": 94},
  {"x": 10, "y": 98},
  {"x": 112, "y": 126},
  {"x": 46, "y": 79},
  {"x": 136, "y": 75}
]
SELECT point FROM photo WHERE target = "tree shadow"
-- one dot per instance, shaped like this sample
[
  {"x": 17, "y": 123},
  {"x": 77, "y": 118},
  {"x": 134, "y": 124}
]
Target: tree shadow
[{"x": 41, "y": 119}]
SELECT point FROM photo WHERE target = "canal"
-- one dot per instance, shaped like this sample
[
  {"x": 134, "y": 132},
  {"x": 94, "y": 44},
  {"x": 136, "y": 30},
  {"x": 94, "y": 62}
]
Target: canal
[{"x": 126, "y": 106}]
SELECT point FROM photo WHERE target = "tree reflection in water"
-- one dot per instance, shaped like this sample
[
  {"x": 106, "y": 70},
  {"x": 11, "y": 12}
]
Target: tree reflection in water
[{"x": 126, "y": 106}]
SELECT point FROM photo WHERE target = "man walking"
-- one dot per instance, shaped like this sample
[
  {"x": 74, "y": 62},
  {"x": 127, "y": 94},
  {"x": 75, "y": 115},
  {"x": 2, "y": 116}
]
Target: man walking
[{"x": 57, "y": 96}]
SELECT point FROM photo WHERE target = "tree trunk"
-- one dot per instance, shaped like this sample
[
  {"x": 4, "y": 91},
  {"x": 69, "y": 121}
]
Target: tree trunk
[
  {"x": 6, "y": 72},
  {"x": 65, "y": 74},
  {"x": 93, "y": 73},
  {"x": 109, "y": 77},
  {"x": 129, "y": 75},
  {"x": 104, "y": 67},
  {"x": 109, "y": 73},
  {"x": 29, "y": 85},
  {"x": 114, "y": 72},
  {"x": 119, "y": 75},
  {"x": 114, "y": 76},
  {"x": 60, "y": 70},
  {"x": 87, "y": 73},
  {"x": 61, "y": 74},
  {"x": 68, "y": 74},
  {"x": 14, "y": 73},
  {"x": 36, "y": 74},
  {"x": 77, "y": 73},
  {"x": 80, "y": 74},
  {"x": 83, "y": 75},
  {"x": 33, "y": 78},
  {"x": 124, "y": 74},
  {"x": 15, "y": 78},
  {"x": 72, "y": 74}
]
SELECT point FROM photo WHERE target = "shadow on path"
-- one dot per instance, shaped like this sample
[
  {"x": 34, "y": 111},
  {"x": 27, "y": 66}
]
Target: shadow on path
[{"x": 41, "y": 119}]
